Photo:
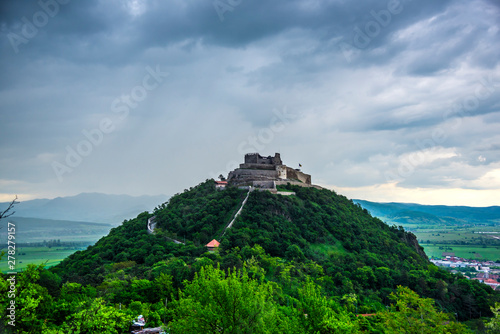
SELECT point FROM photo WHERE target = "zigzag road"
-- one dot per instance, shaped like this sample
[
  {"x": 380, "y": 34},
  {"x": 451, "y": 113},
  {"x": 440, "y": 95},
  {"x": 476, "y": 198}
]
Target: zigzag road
[{"x": 151, "y": 230}]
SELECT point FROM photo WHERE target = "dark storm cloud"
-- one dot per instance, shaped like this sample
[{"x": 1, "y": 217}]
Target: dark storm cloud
[{"x": 109, "y": 25}]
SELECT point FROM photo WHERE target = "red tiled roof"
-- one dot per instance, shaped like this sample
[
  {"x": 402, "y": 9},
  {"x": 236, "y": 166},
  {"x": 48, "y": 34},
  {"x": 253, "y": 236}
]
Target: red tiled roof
[
  {"x": 213, "y": 243},
  {"x": 491, "y": 281},
  {"x": 221, "y": 182}
]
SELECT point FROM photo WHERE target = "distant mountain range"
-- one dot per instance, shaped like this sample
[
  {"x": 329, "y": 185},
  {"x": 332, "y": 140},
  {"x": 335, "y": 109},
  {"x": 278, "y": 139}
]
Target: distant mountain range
[
  {"x": 88, "y": 207},
  {"x": 409, "y": 213}
]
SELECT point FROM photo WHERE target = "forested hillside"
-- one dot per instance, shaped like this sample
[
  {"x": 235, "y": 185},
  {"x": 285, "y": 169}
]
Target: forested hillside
[{"x": 307, "y": 263}]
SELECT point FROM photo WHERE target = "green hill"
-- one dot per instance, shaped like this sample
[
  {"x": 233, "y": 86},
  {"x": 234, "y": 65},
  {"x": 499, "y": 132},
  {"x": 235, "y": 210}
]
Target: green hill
[{"x": 314, "y": 253}]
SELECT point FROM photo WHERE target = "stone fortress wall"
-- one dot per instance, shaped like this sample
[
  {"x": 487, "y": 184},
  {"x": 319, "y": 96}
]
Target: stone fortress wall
[
  {"x": 266, "y": 172},
  {"x": 256, "y": 158}
]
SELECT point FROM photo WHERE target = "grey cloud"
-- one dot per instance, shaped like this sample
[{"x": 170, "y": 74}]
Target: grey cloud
[{"x": 102, "y": 25}]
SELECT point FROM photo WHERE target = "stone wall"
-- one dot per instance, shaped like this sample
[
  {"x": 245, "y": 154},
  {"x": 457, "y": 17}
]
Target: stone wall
[
  {"x": 256, "y": 158},
  {"x": 257, "y": 166},
  {"x": 264, "y": 184},
  {"x": 252, "y": 158},
  {"x": 297, "y": 183},
  {"x": 245, "y": 177},
  {"x": 293, "y": 174},
  {"x": 282, "y": 171}
]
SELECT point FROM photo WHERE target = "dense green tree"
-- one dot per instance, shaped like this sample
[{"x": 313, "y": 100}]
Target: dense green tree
[
  {"x": 94, "y": 317},
  {"x": 214, "y": 303},
  {"x": 33, "y": 303},
  {"x": 493, "y": 325},
  {"x": 293, "y": 252},
  {"x": 413, "y": 314},
  {"x": 318, "y": 314}
]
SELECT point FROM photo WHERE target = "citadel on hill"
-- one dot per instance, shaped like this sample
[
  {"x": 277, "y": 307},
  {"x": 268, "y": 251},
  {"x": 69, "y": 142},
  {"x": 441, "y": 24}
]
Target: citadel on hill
[{"x": 266, "y": 173}]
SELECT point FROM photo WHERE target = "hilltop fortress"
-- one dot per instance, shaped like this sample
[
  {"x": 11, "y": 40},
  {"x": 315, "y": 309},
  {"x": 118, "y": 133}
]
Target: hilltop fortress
[{"x": 266, "y": 173}]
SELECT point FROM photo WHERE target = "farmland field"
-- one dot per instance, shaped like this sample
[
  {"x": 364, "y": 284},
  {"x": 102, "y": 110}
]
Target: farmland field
[
  {"x": 38, "y": 230},
  {"x": 49, "y": 241},
  {"x": 466, "y": 252},
  {"x": 37, "y": 255},
  {"x": 469, "y": 232},
  {"x": 480, "y": 242}
]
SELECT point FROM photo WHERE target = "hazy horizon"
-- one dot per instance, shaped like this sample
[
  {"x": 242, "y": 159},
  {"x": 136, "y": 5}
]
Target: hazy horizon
[{"x": 168, "y": 196}]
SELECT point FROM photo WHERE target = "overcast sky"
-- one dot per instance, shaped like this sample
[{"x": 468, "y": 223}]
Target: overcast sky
[{"x": 378, "y": 100}]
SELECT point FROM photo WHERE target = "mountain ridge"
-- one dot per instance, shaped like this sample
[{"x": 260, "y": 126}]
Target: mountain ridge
[
  {"x": 445, "y": 212},
  {"x": 88, "y": 207}
]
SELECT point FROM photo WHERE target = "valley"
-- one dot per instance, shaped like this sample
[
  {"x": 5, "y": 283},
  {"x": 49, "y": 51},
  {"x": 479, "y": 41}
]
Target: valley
[
  {"x": 469, "y": 232},
  {"x": 49, "y": 241}
]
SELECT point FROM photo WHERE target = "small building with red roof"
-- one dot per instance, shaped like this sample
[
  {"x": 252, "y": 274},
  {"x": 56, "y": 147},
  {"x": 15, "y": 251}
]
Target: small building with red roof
[
  {"x": 491, "y": 282},
  {"x": 213, "y": 245},
  {"x": 220, "y": 185}
]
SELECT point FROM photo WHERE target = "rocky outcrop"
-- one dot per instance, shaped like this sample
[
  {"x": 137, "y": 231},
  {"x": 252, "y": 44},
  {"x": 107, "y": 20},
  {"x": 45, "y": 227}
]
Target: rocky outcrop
[{"x": 411, "y": 240}]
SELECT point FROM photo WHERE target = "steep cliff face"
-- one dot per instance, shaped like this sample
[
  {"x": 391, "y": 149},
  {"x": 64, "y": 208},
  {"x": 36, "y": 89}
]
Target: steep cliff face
[{"x": 411, "y": 240}]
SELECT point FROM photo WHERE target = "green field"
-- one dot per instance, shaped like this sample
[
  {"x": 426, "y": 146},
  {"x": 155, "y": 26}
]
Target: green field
[
  {"x": 36, "y": 255},
  {"x": 473, "y": 241},
  {"x": 466, "y": 252},
  {"x": 72, "y": 236}
]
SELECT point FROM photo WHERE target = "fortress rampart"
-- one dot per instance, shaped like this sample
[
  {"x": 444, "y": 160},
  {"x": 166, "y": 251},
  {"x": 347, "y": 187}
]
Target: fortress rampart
[{"x": 260, "y": 171}]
